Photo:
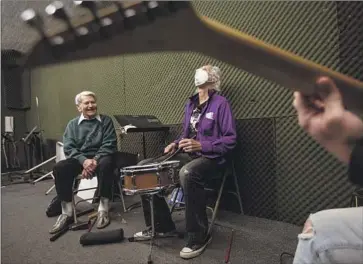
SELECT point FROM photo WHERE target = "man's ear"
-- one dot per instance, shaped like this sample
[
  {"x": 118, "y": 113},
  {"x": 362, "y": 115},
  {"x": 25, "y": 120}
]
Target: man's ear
[{"x": 79, "y": 108}]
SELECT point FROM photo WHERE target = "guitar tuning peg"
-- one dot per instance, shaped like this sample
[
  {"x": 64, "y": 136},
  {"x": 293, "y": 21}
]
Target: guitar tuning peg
[
  {"x": 104, "y": 24},
  {"x": 33, "y": 19},
  {"x": 58, "y": 46},
  {"x": 81, "y": 34},
  {"x": 151, "y": 9},
  {"x": 57, "y": 10},
  {"x": 127, "y": 15},
  {"x": 87, "y": 4}
]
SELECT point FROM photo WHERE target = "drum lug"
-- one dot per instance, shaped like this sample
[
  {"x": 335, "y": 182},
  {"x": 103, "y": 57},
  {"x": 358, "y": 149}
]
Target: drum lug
[
  {"x": 158, "y": 178},
  {"x": 133, "y": 180},
  {"x": 171, "y": 174}
]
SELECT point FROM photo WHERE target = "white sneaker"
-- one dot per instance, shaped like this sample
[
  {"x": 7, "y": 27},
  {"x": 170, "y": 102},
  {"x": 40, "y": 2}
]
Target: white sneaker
[{"x": 192, "y": 249}]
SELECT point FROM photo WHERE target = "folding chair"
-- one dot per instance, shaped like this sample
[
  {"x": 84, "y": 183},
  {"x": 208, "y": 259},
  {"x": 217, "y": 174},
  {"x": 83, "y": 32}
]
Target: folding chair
[
  {"x": 59, "y": 155},
  {"x": 357, "y": 197},
  {"x": 123, "y": 159},
  {"x": 228, "y": 168}
]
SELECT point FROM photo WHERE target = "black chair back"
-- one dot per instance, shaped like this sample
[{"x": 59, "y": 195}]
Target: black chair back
[{"x": 125, "y": 159}]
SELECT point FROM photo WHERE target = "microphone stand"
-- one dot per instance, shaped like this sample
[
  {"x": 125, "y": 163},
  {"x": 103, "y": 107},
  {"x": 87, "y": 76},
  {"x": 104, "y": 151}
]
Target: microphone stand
[
  {"x": 40, "y": 131},
  {"x": 34, "y": 136},
  {"x": 11, "y": 159},
  {"x": 30, "y": 140}
]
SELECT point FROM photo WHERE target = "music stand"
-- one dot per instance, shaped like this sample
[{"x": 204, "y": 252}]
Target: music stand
[{"x": 141, "y": 124}]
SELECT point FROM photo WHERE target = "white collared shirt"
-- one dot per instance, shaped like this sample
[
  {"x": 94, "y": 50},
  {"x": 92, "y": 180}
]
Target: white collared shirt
[{"x": 81, "y": 118}]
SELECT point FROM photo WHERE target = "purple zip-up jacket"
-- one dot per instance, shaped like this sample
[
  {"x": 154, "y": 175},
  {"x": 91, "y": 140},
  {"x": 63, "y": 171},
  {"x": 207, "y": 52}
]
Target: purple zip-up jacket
[{"x": 216, "y": 128}]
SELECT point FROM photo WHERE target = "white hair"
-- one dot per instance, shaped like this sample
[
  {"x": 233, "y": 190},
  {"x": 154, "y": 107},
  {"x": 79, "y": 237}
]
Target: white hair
[
  {"x": 78, "y": 98},
  {"x": 217, "y": 84},
  {"x": 215, "y": 74}
]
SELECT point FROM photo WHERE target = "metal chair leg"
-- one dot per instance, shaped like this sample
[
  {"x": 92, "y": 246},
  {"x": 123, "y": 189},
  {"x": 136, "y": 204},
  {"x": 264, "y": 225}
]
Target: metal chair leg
[
  {"x": 74, "y": 209},
  {"x": 121, "y": 196},
  {"x": 215, "y": 210},
  {"x": 50, "y": 189},
  {"x": 237, "y": 187},
  {"x": 43, "y": 177},
  {"x": 74, "y": 191},
  {"x": 175, "y": 203}
]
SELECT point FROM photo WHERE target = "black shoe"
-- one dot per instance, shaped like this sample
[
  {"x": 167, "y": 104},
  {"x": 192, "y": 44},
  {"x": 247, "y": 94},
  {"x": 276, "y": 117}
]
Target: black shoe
[
  {"x": 54, "y": 208},
  {"x": 194, "y": 248},
  {"x": 62, "y": 222}
]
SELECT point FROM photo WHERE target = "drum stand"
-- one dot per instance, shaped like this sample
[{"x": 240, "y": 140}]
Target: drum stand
[{"x": 150, "y": 197}]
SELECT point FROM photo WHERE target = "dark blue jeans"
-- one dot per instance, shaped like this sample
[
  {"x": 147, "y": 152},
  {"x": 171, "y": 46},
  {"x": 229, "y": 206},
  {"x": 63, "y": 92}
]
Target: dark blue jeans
[{"x": 193, "y": 174}]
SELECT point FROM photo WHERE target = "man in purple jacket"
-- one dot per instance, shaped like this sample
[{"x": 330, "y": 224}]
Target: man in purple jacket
[{"x": 209, "y": 133}]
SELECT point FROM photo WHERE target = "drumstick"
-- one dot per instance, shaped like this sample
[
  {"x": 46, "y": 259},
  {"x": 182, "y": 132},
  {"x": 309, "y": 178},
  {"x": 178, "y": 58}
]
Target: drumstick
[
  {"x": 228, "y": 253},
  {"x": 176, "y": 152}
]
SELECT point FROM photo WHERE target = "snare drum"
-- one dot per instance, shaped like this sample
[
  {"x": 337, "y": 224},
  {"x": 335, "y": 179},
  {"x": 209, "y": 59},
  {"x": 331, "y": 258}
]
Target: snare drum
[{"x": 150, "y": 177}]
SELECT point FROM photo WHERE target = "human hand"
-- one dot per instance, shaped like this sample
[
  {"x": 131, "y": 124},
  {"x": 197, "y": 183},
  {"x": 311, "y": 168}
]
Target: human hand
[
  {"x": 90, "y": 165},
  {"x": 325, "y": 119},
  {"x": 86, "y": 174},
  {"x": 170, "y": 148},
  {"x": 190, "y": 145}
]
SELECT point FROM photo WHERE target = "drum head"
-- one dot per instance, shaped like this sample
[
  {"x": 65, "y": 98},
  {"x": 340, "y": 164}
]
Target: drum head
[
  {"x": 139, "y": 168},
  {"x": 169, "y": 163},
  {"x": 153, "y": 167},
  {"x": 136, "y": 167}
]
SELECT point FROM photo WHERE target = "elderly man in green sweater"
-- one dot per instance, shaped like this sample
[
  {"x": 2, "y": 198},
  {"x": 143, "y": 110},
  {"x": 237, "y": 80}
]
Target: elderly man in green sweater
[{"x": 90, "y": 145}]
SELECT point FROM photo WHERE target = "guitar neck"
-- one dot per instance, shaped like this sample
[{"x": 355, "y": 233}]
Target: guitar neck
[{"x": 185, "y": 30}]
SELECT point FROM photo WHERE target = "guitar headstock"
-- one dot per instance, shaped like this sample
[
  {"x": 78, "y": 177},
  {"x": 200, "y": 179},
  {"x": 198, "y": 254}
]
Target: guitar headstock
[{"x": 100, "y": 20}]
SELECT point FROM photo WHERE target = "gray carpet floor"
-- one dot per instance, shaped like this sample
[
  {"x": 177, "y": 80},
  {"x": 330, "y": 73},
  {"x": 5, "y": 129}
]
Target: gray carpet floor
[{"x": 25, "y": 237}]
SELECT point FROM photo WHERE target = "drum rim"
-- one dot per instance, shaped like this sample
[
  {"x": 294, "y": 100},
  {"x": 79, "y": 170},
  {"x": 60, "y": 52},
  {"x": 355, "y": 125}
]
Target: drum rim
[{"x": 151, "y": 165}]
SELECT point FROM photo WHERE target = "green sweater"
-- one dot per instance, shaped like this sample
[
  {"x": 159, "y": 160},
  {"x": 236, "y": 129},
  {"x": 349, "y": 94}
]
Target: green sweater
[{"x": 89, "y": 138}]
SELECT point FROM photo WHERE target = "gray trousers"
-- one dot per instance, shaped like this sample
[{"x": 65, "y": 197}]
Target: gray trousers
[{"x": 193, "y": 174}]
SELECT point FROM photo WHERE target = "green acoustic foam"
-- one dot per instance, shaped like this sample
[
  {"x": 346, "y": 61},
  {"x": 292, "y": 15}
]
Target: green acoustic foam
[
  {"x": 57, "y": 86},
  {"x": 256, "y": 166},
  {"x": 350, "y": 21},
  {"x": 308, "y": 178}
]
